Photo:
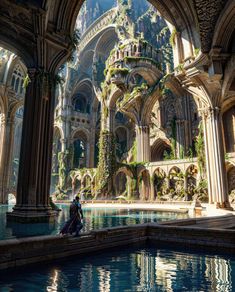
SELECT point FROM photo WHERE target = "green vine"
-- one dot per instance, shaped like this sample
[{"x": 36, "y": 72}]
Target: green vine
[
  {"x": 196, "y": 51},
  {"x": 107, "y": 163},
  {"x": 172, "y": 38},
  {"x": 26, "y": 81},
  {"x": 200, "y": 150}
]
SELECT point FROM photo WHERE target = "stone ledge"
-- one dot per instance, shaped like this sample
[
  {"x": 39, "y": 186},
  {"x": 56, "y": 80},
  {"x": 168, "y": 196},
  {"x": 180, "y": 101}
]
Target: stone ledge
[{"x": 25, "y": 251}]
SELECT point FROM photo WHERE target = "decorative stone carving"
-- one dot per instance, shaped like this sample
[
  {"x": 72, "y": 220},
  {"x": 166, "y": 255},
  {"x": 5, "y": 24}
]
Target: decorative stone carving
[{"x": 207, "y": 12}]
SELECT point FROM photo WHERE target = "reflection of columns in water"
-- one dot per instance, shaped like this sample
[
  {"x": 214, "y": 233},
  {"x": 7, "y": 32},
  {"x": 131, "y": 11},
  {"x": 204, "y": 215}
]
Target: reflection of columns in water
[
  {"x": 86, "y": 279},
  {"x": 219, "y": 272},
  {"x": 143, "y": 143},
  {"x": 146, "y": 262},
  {"x": 104, "y": 279},
  {"x": 54, "y": 281},
  {"x": 165, "y": 272}
]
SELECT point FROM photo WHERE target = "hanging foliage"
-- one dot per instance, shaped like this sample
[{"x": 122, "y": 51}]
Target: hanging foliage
[
  {"x": 26, "y": 81},
  {"x": 200, "y": 150},
  {"x": 107, "y": 163}
]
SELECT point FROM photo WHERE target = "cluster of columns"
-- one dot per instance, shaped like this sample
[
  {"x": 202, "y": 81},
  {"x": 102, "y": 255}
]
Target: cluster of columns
[
  {"x": 6, "y": 153},
  {"x": 215, "y": 161},
  {"x": 143, "y": 143},
  {"x": 32, "y": 202}
]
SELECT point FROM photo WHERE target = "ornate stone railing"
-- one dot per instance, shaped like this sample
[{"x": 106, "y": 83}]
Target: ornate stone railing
[{"x": 102, "y": 22}]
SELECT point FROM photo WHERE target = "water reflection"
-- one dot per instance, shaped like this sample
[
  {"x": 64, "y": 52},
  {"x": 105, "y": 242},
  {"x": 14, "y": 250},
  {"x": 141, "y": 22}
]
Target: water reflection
[
  {"x": 95, "y": 218},
  {"x": 130, "y": 270}
]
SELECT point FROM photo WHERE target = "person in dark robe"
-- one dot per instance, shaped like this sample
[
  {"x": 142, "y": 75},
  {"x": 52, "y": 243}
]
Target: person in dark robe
[{"x": 75, "y": 222}]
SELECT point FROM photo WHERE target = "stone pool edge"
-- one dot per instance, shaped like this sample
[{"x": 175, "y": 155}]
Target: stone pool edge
[{"x": 24, "y": 251}]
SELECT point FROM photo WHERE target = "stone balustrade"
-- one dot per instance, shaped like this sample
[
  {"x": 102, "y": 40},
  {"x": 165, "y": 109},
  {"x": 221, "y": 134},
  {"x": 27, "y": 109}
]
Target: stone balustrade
[
  {"x": 134, "y": 50},
  {"x": 166, "y": 166}
]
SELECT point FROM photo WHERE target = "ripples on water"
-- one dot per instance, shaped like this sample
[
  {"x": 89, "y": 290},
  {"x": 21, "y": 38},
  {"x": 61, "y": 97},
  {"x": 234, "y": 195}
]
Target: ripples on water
[
  {"x": 130, "y": 270},
  {"x": 95, "y": 218}
]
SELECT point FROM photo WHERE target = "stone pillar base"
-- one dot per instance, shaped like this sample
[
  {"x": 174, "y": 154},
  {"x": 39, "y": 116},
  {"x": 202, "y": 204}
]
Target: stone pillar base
[
  {"x": 225, "y": 206},
  {"x": 32, "y": 215}
]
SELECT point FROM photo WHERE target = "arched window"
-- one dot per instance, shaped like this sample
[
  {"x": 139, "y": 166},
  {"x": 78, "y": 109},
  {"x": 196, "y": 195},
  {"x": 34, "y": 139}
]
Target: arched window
[
  {"x": 80, "y": 104},
  {"x": 17, "y": 85},
  {"x": 17, "y": 80},
  {"x": 13, "y": 80}
]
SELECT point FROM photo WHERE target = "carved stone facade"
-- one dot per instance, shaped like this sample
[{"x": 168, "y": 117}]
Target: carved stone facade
[{"x": 41, "y": 34}]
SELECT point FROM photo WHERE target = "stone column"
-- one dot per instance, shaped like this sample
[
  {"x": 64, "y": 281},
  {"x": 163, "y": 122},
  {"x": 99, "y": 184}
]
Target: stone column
[
  {"x": 73, "y": 187},
  {"x": 143, "y": 143},
  {"x": 178, "y": 136},
  {"x": 92, "y": 149},
  {"x": 215, "y": 161},
  {"x": 87, "y": 155},
  {"x": 63, "y": 145},
  {"x": 128, "y": 185},
  {"x": 33, "y": 188},
  {"x": 7, "y": 142},
  {"x": 152, "y": 190},
  {"x": 167, "y": 182},
  {"x": 107, "y": 119},
  {"x": 185, "y": 182}
]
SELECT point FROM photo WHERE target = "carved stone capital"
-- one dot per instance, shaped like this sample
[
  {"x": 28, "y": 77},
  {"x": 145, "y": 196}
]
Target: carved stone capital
[{"x": 210, "y": 113}]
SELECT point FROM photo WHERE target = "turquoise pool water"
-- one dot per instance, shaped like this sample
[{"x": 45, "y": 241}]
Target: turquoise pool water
[
  {"x": 141, "y": 269},
  {"x": 95, "y": 218}
]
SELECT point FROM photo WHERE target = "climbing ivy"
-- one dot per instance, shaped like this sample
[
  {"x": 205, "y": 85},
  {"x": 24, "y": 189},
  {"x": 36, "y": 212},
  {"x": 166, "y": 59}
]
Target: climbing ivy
[
  {"x": 200, "y": 150},
  {"x": 172, "y": 38},
  {"x": 107, "y": 163},
  {"x": 26, "y": 81}
]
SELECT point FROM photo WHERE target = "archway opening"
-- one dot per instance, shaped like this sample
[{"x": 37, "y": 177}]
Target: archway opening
[
  {"x": 80, "y": 158},
  {"x": 159, "y": 150},
  {"x": 86, "y": 189},
  {"x": 121, "y": 188},
  {"x": 56, "y": 150},
  {"x": 121, "y": 142},
  {"x": 12, "y": 92},
  {"x": 231, "y": 181},
  {"x": 229, "y": 129},
  {"x": 176, "y": 183},
  {"x": 191, "y": 181},
  {"x": 144, "y": 185},
  {"x": 160, "y": 184}
]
